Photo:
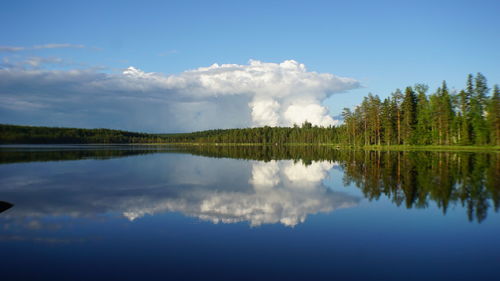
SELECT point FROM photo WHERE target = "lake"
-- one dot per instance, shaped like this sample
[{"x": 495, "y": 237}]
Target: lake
[{"x": 247, "y": 213}]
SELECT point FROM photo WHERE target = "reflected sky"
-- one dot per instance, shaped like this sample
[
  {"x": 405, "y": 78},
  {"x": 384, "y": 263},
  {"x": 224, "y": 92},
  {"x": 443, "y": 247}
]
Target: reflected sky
[
  {"x": 283, "y": 192},
  {"x": 219, "y": 191}
]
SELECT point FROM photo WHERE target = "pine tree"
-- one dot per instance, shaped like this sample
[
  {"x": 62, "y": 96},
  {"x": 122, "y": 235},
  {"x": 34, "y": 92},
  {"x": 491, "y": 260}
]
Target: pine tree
[
  {"x": 363, "y": 109},
  {"x": 423, "y": 115},
  {"x": 350, "y": 125},
  {"x": 397, "y": 98},
  {"x": 373, "y": 119},
  {"x": 442, "y": 115},
  {"x": 465, "y": 127},
  {"x": 408, "y": 110},
  {"x": 388, "y": 130},
  {"x": 477, "y": 103},
  {"x": 493, "y": 116}
]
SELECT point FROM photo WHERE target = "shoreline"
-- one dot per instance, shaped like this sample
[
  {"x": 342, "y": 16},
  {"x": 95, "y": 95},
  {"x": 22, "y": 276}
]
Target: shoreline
[{"x": 471, "y": 148}]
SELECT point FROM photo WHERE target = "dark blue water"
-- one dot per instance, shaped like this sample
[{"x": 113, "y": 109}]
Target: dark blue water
[{"x": 167, "y": 215}]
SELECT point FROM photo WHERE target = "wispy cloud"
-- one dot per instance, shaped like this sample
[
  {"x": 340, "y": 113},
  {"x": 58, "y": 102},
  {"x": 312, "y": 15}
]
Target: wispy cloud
[
  {"x": 56, "y": 46},
  {"x": 11, "y": 49},
  {"x": 37, "y": 61},
  {"x": 39, "y": 47},
  {"x": 34, "y": 62},
  {"x": 168, "y": 53}
]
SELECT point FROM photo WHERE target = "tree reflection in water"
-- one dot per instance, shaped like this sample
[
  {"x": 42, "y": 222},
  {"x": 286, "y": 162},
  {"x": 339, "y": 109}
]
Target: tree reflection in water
[
  {"x": 415, "y": 178},
  {"x": 412, "y": 178}
]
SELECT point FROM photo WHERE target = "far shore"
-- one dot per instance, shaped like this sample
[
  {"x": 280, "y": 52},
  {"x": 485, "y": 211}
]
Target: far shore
[{"x": 335, "y": 146}]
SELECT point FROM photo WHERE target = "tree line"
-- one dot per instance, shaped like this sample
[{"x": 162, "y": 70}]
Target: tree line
[
  {"x": 411, "y": 117},
  {"x": 14, "y": 134}
]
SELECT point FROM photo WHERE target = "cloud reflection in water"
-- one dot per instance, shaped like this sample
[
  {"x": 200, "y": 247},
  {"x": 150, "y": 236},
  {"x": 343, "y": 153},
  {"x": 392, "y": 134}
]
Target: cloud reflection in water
[
  {"x": 259, "y": 193},
  {"x": 284, "y": 192}
]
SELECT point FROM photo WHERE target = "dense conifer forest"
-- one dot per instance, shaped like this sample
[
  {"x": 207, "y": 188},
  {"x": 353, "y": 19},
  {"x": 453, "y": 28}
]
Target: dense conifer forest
[
  {"x": 412, "y": 117},
  {"x": 470, "y": 116}
]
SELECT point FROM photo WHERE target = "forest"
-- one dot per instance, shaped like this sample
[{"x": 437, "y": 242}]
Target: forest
[
  {"x": 470, "y": 116},
  {"x": 466, "y": 117},
  {"x": 411, "y": 179}
]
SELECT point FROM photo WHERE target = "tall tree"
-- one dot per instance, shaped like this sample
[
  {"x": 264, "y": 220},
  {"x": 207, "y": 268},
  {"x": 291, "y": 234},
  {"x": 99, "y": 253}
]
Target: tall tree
[
  {"x": 350, "y": 125},
  {"x": 388, "y": 127},
  {"x": 477, "y": 103},
  {"x": 493, "y": 116},
  {"x": 363, "y": 109},
  {"x": 423, "y": 126},
  {"x": 442, "y": 114},
  {"x": 464, "y": 115},
  {"x": 409, "y": 110},
  {"x": 374, "y": 119},
  {"x": 397, "y": 98}
]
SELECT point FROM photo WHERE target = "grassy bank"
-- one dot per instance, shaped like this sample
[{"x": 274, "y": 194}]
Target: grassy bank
[
  {"x": 433, "y": 147},
  {"x": 343, "y": 146}
]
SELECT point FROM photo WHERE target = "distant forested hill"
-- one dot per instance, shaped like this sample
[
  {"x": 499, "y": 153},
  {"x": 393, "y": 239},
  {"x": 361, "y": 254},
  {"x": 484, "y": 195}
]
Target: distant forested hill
[{"x": 13, "y": 134}]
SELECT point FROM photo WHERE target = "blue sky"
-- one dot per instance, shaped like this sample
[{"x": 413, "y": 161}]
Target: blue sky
[{"x": 382, "y": 44}]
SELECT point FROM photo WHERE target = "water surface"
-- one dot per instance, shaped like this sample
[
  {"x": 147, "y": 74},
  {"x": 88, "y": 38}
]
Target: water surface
[{"x": 247, "y": 213}]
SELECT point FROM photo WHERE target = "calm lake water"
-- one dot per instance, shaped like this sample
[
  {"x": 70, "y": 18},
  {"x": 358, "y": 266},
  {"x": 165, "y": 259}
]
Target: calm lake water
[{"x": 247, "y": 213}]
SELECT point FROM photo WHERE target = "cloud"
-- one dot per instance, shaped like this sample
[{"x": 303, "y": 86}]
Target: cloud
[
  {"x": 39, "y": 47},
  {"x": 265, "y": 175},
  {"x": 303, "y": 174},
  {"x": 218, "y": 96},
  {"x": 57, "y": 46},
  {"x": 11, "y": 49},
  {"x": 314, "y": 113},
  {"x": 35, "y": 62}
]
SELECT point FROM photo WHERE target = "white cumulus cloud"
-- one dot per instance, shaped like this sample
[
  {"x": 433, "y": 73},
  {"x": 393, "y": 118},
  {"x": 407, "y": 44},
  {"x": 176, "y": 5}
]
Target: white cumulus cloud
[{"x": 227, "y": 95}]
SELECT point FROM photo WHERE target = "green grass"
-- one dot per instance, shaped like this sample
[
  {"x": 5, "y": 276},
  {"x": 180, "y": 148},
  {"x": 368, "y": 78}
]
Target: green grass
[
  {"x": 433, "y": 147},
  {"x": 342, "y": 146}
]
